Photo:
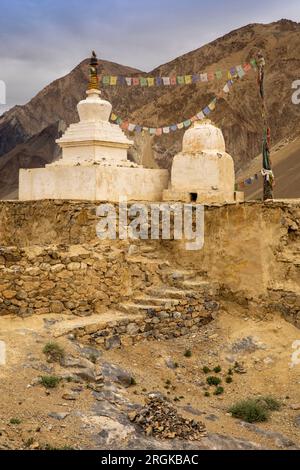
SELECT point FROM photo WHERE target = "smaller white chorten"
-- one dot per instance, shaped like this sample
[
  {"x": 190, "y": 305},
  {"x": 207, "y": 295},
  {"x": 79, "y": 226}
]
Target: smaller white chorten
[{"x": 202, "y": 172}]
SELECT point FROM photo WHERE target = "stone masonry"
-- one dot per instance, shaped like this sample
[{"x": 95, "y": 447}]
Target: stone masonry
[{"x": 113, "y": 292}]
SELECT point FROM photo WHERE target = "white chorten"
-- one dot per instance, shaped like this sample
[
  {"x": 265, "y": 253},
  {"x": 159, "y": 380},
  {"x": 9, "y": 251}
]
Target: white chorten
[
  {"x": 94, "y": 139},
  {"x": 94, "y": 164},
  {"x": 202, "y": 172}
]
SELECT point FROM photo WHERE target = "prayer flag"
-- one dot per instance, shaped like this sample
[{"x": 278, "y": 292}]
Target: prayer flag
[
  {"x": 131, "y": 127},
  {"x": 159, "y": 131},
  {"x": 212, "y": 105},
  {"x": 247, "y": 67},
  {"x": 166, "y": 130},
  {"x": 106, "y": 80},
  {"x": 253, "y": 63},
  {"x": 173, "y": 80},
  {"x": 188, "y": 79},
  {"x": 226, "y": 88},
  {"x": 180, "y": 80},
  {"x": 195, "y": 78},
  {"x": 219, "y": 74},
  {"x": 194, "y": 118},
  {"x": 203, "y": 77},
  {"x": 206, "y": 111},
  {"x": 121, "y": 80},
  {"x": 128, "y": 81},
  {"x": 113, "y": 80},
  {"x": 187, "y": 123},
  {"x": 240, "y": 71},
  {"x": 174, "y": 127},
  {"x": 125, "y": 125},
  {"x": 152, "y": 130},
  {"x": 150, "y": 81},
  {"x": 201, "y": 115},
  {"x": 180, "y": 125},
  {"x": 119, "y": 121},
  {"x": 113, "y": 117},
  {"x": 138, "y": 129},
  {"x": 143, "y": 81},
  {"x": 136, "y": 81},
  {"x": 158, "y": 81},
  {"x": 210, "y": 76},
  {"x": 166, "y": 81},
  {"x": 233, "y": 71}
]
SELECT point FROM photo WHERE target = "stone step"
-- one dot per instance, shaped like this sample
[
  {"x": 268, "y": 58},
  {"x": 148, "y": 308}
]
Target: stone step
[
  {"x": 94, "y": 323},
  {"x": 137, "y": 309},
  {"x": 180, "y": 275},
  {"x": 197, "y": 285},
  {"x": 164, "y": 302},
  {"x": 146, "y": 260},
  {"x": 171, "y": 293}
]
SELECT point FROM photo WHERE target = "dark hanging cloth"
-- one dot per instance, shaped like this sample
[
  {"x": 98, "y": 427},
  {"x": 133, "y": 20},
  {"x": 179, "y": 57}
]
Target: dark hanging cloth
[{"x": 267, "y": 167}]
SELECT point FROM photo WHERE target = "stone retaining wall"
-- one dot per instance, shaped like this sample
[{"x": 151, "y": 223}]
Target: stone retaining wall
[
  {"x": 51, "y": 260},
  {"x": 156, "y": 326},
  {"x": 79, "y": 280}
]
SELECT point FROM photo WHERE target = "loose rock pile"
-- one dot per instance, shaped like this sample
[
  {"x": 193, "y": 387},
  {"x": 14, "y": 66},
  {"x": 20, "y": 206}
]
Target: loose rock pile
[{"x": 160, "y": 419}]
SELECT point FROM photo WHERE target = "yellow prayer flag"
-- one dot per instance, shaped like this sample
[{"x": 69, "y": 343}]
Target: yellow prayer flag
[
  {"x": 113, "y": 80},
  {"x": 188, "y": 79},
  {"x": 150, "y": 81}
]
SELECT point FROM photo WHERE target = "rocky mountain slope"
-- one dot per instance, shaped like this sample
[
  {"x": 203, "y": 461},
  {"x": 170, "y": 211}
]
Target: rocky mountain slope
[{"x": 27, "y": 132}]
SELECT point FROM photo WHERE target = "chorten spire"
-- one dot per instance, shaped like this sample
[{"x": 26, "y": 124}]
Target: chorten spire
[{"x": 93, "y": 71}]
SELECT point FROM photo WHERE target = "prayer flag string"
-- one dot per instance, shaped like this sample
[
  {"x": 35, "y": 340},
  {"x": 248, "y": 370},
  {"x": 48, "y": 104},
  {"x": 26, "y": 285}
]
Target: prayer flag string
[
  {"x": 233, "y": 72},
  {"x": 202, "y": 114}
]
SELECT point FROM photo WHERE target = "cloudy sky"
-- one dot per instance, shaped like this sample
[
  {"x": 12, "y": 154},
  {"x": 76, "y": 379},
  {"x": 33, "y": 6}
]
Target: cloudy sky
[{"x": 41, "y": 40}]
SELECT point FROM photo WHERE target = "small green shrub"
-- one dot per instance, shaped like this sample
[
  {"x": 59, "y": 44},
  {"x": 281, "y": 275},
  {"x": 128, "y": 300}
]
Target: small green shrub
[
  {"x": 230, "y": 372},
  {"x": 207, "y": 394},
  {"x": 54, "y": 352},
  {"x": 188, "y": 353},
  {"x": 133, "y": 382},
  {"x": 206, "y": 370},
  {"x": 250, "y": 410},
  {"x": 29, "y": 442},
  {"x": 217, "y": 369},
  {"x": 50, "y": 381},
  {"x": 270, "y": 403},
  {"x": 229, "y": 380},
  {"x": 16, "y": 421},
  {"x": 213, "y": 381},
  {"x": 219, "y": 391}
]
